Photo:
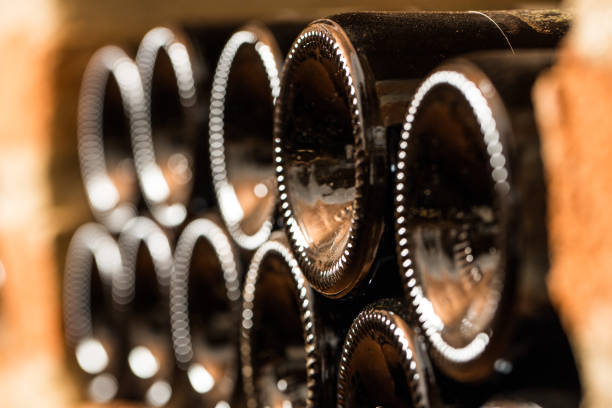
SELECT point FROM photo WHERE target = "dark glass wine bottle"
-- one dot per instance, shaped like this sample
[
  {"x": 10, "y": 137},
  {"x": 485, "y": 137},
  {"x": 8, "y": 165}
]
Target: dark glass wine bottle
[
  {"x": 345, "y": 87},
  {"x": 204, "y": 313},
  {"x": 470, "y": 221},
  {"x": 245, "y": 86},
  {"x": 384, "y": 362},
  {"x": 90, "y": 325},
  {"x": 165, "y": 160},
  {"x": 110, "y": 112},
  {"x": 280, "y": 344},
  {"x": 140, "y": 294}
]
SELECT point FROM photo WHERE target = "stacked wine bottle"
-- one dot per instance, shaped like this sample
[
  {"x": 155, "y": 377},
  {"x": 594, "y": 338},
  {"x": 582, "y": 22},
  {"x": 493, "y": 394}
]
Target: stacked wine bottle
[{"x": 346, "y": 212}]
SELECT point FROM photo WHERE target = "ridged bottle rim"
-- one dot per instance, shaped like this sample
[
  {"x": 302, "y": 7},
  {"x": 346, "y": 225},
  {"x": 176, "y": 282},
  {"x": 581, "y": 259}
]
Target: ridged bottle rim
[
  {"x": 382, "y": 323},
  {"x": 91, "y": 244},
  {"x": 146, "y": 364},
  {"x": 156, "y": 40},
  {"x": 141, "y": 231},
  {"x": 196, "y": 230},
  {"x": 275, "y": 246},
  {"x": 488, "y": 109},
  {"x": 103, "y": 196},
  {"x": 267, "y": 49},
  {"x": 333, "y": 43}
]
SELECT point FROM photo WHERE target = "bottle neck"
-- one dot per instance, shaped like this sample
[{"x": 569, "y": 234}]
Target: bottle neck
[{"x": 390, "y": 41}]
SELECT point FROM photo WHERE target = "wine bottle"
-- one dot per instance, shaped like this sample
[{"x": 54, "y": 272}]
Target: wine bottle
[
  {"x": 345, "y": 87},
  {"x": 140, "y": 294},
  {"x": 471, "y": 223},
  {"x": 110, "y": 111},
  {"x": 384, "y": 362},
  {"x": 92, "y": 260},
  {"x": 206, "y": 42},
  {"x": 204, "y": 313},
  {"x": 280, "y": 345},
  {"x": 164, "y": 60},
  {"x": 244, "y": 89}
]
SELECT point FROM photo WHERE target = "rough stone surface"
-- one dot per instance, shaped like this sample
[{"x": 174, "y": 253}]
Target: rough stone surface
[{"x": 574, "y": 108}]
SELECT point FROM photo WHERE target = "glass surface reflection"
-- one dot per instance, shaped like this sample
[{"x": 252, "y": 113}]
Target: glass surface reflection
[
  {"x": 117, "y": 146},
  {"x": 141, "y": 293},
  {"x": 213, "y": 328},
  {"x": 91, "y": 356},
  {"x": 204, "y": 308},
  {"x": 200, "y": 378},
  {"x": 319, "y": 162},
  {"x": 102, "y": 388},
  {"x": 110, "y": 99},
  {"x": 244, "y": 90},
  {"x": 93, "y": 260},
  {"x": 278, "y": 341},
  {"x": 452, "y": 216},
  {"x": 158, "y": 394},
  {"x": 279, "y": 347},
  {"x": 142, "y": 362},
  {"x": 170, "y": 131},
  {"x": 382, "y": 362},
  {"x": 169, "y": 85},
  {"x": 248, "y": 136}
]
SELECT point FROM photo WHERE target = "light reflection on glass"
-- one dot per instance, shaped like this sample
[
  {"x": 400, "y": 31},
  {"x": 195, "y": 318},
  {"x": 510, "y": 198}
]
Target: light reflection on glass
[
  {"x": 102, "y": 192},
  {"x": 281, "y": 385},
  {"x": 154, "y": 185},
  {"x": 159, "y": 249},
  {"x": 245, "y": 85},
  {"x": 102, "y": 388},
  {"x": 158, "y": 394},
  {"x": 178, "y": 164},
  {"x": 449, "y": 219},
  {"x": 172, "y": 214},
  {"x": 142, "y": 362},
  {"x": 91, "y": 356},
  {"x": 108, "y": 257},
  {"x": 318, "y": 121},
  {"x": 200, "y": 378},
  {"x": 118, "y": 217},
  {"x": 260, "y": 190},
  {"x": 503, "y": 366},
  {"x": 228, "y": 200},
  {"x": 277, "y": 369}
]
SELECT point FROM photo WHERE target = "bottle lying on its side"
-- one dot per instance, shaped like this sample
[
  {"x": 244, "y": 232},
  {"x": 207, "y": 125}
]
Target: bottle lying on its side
[
  {"x": 140, "y": 294},
  {"x": 245, "y": 86},
  {"x": 111, "y": 107},
  {"x": 346, "y": 84},
  {"x": 470, "y": 217},
  {"x": 164, "y": 160},
  {"x": 284, "y": 349},
  {"x": 204, "y": 313},
  {"x": 90, "y": 325},
  {"x": 205, "y": 43},
  {"x": 384, "y": 362}
]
